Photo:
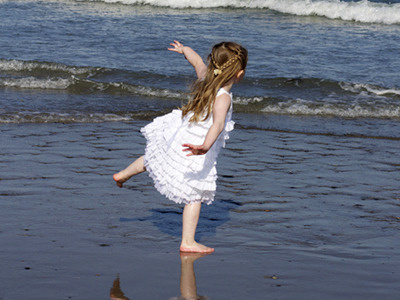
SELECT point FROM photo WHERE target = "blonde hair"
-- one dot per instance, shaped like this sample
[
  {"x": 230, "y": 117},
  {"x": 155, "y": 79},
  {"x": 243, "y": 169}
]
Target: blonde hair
[{"x": 224, "y": 62}]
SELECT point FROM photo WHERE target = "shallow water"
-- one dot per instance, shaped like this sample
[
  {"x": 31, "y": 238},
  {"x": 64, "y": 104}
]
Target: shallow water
[
  {"x": 86, "y": 61},
  {"x": 315, "y": 211}
]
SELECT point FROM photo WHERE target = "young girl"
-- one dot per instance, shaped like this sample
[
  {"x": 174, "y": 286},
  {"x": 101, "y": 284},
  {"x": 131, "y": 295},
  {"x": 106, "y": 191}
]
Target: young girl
[{"x": 182, "y": 146}]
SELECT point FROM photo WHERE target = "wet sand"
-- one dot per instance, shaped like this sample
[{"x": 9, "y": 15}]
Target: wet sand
[{"x": 296, "y": 217}]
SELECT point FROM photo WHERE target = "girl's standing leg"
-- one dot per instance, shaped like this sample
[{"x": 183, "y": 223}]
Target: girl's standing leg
[
  {"x": 190, "y": 218},
  {"x": 134, "y": 168}
]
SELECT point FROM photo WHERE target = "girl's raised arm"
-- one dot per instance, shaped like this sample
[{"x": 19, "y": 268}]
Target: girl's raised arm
[{"x": 193, "y": 58}]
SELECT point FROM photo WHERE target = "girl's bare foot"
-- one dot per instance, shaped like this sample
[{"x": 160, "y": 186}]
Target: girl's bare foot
[
  {"x": 196, "y": 247},
  {"x": 134, "y": 168},
  {"x": 119, "y": 180}
]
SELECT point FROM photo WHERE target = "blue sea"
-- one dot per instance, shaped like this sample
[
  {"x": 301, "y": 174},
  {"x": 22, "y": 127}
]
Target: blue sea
[
  {"x": 309, "y": 182},
  {"x": 100, "y": 61}
]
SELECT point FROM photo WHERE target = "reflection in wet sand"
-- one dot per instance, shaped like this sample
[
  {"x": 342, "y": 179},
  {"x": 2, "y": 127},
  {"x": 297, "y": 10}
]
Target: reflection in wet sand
[
  {"x": 115, "y": 292},
  {"x": 188, "y": 278},
  {"x": 187, "y": 282}
]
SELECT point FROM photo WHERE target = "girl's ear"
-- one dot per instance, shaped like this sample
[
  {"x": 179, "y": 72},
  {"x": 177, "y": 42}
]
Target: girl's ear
[{"x": 239, "y": 75}]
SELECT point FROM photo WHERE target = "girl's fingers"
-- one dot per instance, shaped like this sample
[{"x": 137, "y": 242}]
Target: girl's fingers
[
  {"x": 194, "y": 149},
  {"x": 173, "y": 49},
  {"x": 177, "y": 46},
  {"x": 188, "y": 145}
]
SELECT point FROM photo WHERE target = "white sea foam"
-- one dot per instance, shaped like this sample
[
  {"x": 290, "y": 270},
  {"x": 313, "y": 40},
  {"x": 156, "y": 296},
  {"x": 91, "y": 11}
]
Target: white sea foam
[
  {"x": 150, "y": 92},
  {"x": 360, "y": 87},
  {"x": 56, "y": 117},
  {"x": 35, "y": 83},
  {"x": 361, "y": 11},
  {"x": 20, "y": 65},
  {"x": 355, "y": 110},
  {"x": 246, "y": 101}
]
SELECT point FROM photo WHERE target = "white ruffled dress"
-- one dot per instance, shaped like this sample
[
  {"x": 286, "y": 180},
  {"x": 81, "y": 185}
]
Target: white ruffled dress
[{"x": 181, "y": 178}]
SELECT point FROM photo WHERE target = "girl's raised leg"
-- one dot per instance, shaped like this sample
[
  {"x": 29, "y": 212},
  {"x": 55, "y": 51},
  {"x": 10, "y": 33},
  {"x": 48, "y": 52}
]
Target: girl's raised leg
[
  {"x": 134, "y": 168},
  {"x": 190, "y": 218}
]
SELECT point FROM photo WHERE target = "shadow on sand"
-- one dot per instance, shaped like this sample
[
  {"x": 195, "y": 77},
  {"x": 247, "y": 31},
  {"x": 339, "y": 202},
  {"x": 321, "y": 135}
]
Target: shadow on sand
[{"x": 169, "y": 220}]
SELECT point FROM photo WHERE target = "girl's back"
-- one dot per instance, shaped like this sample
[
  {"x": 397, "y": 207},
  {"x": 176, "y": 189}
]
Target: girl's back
[{"x": 182, "y": 146}]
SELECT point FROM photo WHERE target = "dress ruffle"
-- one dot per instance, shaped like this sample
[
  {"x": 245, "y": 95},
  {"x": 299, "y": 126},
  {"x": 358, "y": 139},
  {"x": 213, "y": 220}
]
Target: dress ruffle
[{"x": 181, "y": 178}]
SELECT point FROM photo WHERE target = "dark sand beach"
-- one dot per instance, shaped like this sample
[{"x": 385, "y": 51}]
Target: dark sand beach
[
  {"x": 296, "y": 216},
  {"x": 307, "y": 202}
]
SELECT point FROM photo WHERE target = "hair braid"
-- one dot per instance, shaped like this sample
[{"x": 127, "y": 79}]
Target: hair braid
[
  {"x": 225, "y": 65},
  {"x": 225, "y": 61}
]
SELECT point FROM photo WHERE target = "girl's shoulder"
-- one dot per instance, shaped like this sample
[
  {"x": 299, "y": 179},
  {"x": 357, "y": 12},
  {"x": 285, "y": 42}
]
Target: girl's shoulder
[
  {"x": 223, "y": 91},
  {"x": 223, "y": 100}
]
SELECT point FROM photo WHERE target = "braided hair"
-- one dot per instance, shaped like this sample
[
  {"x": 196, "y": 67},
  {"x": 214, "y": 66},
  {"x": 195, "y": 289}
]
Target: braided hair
[{"x": 224, "y": 62}]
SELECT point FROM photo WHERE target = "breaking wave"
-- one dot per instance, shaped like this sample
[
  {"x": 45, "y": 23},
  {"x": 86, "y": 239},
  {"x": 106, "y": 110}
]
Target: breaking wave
[
  {"x": 73, "y": 117},
  {"x": 360, "y": 11},
  {"x": 76, "y": 79},
  {"x": 304, "y": 107},
  {"x": 292, "y": 96}
]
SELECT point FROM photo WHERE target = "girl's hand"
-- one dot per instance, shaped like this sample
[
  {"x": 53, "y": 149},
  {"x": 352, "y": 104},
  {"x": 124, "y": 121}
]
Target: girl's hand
[
  {"x": 193, "y": 58},
  {"x": 194, "y": 149},
  {"x": 178, "y": 47}
]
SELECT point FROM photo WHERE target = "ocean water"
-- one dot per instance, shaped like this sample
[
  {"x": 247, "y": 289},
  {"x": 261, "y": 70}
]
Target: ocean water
[
  {"x": 308, "y": 186},
  {"x": 97, "y": 61}
]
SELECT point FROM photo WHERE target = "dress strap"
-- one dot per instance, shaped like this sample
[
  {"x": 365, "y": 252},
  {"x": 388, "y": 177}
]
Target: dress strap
[{"x": 222, "y": 91}]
